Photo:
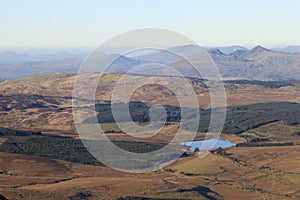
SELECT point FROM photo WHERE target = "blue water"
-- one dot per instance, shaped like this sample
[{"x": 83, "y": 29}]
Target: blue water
[{"x": 209, "y": 144}]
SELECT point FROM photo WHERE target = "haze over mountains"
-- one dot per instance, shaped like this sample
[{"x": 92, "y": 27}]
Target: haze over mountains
[{"x": 234, "y": 62}]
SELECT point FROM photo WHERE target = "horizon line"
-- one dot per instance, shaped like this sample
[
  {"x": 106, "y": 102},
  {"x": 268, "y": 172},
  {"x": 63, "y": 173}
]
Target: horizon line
[{"x": 249, "y": 46}]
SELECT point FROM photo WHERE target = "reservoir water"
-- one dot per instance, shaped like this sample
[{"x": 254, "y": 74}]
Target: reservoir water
[{"x": 209, "y": 144}]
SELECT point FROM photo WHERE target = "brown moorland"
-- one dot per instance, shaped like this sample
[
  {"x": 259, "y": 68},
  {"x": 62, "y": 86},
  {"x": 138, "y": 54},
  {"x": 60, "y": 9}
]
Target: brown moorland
[
  {"x": 44, "y": 101},
  {"x": 249, "y": 173}
]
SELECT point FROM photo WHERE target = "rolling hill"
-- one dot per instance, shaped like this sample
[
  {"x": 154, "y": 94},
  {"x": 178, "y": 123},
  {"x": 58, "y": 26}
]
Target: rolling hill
[{"x": 44, "y": 101}]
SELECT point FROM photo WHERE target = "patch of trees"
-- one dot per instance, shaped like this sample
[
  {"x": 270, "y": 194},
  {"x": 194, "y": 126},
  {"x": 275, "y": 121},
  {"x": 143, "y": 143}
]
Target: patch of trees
[
  {"x": 267, "y": 84},
  {"x": 68, "y": 149},
  {"x": 139, "y": 112},
  {"x": 51, "y": 147},
  {"x": 264, "y": 144},
  {"x": 238, "y": 118},
  {"x": 10, "y": 132},
  {"x": 81, "y": 196},
  {"x": 296, "y": 133},
  {"x": 255, "y": 140},
  {"x": 243, "y": 118},
  {"x": 220, "y": 151},
  {"x": 113, "y": 131}
]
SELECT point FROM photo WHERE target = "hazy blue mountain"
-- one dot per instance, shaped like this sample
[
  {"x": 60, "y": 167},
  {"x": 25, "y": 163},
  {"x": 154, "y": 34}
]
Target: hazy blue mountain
[
  {"x": 15, "y": 71},
  {"x": 258, "y": 63},
  {"x": 289, "y": 49},
  {"x": 230, "y": 49},
  {"x": 17, "y": 57},
  {"x": 11, "y": 57},
  {"x": 168, "y": 56},
  {"x": 186, "y": 49}
]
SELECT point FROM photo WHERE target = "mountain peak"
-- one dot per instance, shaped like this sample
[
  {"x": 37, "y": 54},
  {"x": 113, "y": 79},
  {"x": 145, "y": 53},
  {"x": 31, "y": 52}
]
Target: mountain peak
[
  {"x": 215, "y": 51},
  {"x": 259, "y": 49},
  {"x": 8, "y": 52},
  {"x": 230, "y": 49}
]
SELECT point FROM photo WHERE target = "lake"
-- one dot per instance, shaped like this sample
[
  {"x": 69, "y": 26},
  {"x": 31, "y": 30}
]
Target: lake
[{"x": 209, "y": 144}]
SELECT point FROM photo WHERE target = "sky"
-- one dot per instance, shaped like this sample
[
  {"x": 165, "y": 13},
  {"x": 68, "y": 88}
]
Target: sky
[{"x": 88, "y": 23}]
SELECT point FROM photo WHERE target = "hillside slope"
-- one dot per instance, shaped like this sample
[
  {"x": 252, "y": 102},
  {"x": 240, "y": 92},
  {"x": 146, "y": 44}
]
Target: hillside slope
[{"x": 45, "y": 101}]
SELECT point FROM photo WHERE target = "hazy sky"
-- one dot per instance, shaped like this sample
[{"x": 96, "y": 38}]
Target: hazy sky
[{"x": 67, "y": 23}]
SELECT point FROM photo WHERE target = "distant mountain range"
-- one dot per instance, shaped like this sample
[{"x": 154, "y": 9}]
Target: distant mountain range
[
  {"x": 258, "y": 63},
  {"x": 234, "y": 62},
  {"x": 17, "y": 65},
  {"x": 11, "y": 57},
  {"x": 289, "y": 49},
  {"x": 231, "y": 49}
]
